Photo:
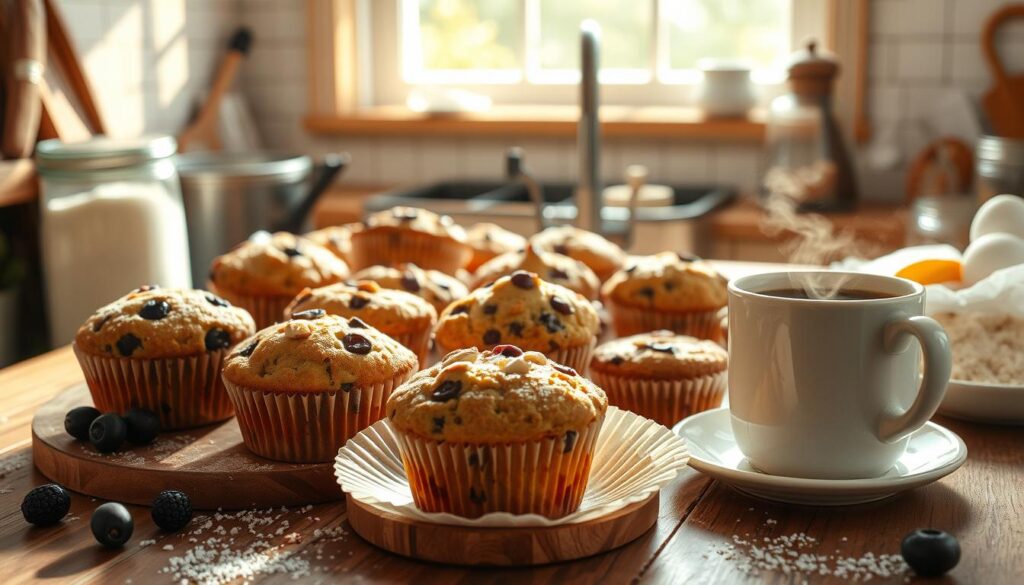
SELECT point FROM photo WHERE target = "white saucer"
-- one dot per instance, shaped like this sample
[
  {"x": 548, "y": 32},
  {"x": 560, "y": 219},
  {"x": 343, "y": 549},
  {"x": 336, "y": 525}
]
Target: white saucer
[
  {"x": 986, "y": 403},
  {"x": 933, "y": 453}
]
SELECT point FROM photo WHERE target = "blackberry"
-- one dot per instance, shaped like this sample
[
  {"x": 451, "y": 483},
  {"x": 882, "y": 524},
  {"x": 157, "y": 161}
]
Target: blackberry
[
  {"x": 46, "y": 505},
  {"x": 172, "y": 510},
  {"x": 143, "y": 425},
  {"x": 77, "y": 421},
  {"x": 112, "y": 524}
]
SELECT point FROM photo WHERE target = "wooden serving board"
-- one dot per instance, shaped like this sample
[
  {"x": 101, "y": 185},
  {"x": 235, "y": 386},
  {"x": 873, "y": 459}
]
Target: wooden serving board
[
  {"x": 210, "y": 464},
  {"x": 466, "y": 545}
]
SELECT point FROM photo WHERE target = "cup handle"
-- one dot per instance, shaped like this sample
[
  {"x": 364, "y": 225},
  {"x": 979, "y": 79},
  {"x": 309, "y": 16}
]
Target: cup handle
[{"x": 938, "y": 362}]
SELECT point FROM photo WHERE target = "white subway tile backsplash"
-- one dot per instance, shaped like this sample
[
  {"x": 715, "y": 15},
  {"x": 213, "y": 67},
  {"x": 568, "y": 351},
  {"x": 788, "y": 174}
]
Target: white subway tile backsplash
[
  {"x": 919, "y": 61},
  {"x": 689, "y": 163}
]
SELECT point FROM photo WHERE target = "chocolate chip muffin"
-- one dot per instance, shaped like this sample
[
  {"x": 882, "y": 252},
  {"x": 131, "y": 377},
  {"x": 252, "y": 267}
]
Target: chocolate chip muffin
[
  {"x": 263, "y": 274},
  {"x": 403, "y": 316},
  {"x": 408, "y": 234},
  {"x": 661, "y": 375},
  {"x": 161, "y": 349},
  {"x": 524, "y": 310},
  {"x": 678, "y": 292},
  {"x": 303, "y": 387},
  {"x": 461, "y": 423},
  {"x": 337, "y": 239},
  {"x": 554, "y": 268},
  {"x": 602, "y": 256},
  {"x": 435, "y": 287},
  {"x": 490, "y": 240}
]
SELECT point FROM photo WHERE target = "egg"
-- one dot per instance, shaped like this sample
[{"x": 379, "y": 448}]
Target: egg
[
  {"x": 989, "y": 253},
  {"x": 1002, "y": 214}
]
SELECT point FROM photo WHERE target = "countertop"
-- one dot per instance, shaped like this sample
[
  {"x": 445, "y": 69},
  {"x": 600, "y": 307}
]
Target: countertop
[{"x": 982, "y": 504}]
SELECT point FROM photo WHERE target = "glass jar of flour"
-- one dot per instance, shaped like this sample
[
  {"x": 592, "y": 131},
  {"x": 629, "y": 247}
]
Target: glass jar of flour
[{"x": 112, "y": 220}]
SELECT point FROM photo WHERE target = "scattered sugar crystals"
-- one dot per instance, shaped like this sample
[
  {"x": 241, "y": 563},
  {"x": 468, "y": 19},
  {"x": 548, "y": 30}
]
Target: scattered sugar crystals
[{"x": 13, "y": 463}]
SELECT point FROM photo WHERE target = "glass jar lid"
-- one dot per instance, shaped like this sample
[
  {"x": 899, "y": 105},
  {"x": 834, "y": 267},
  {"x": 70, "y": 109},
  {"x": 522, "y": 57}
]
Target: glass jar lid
[{"x": 101, "y": 152}]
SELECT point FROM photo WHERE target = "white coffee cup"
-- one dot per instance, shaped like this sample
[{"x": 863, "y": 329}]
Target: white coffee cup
[{"x": 830, "y": 388}]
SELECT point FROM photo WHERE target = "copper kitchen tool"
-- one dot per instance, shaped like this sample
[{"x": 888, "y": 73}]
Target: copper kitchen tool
[
  {"x": 1004, "y": 103},
  {"x": 203, "y": 129},
  {"x": 26, "y": 58},
  {"x": 945, "y": 166}
]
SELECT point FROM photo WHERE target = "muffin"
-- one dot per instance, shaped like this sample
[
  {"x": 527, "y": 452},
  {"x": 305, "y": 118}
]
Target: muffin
[
  {"x": 265, "y": 273},
  {"x": 554, "y": 268},
  {"x": 437, "y": 288},
  {"x": 661, "y": 375},
  {"x": 497, "y": 431},
  {"x": 336, "y": 238},
  {"x": 666, "y": 291},
  {"x": 408, "y": 234},
  {"x": 489, "y": 240},
  {"x": 303, "y": 387},
  {"x": 602, "y": 256},
  {"x": 403, "y": 316},
  {"x": 523, "y": 310},
  {"x": 162, "y": 349}
]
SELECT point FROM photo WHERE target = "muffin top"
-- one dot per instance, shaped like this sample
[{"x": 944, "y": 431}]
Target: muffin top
[
  {"x": 521, "y": 309},
  {"x": 276, "y": 265},
  {"x": 418, "y": 220},
  {"x": 154, "y": 322},
  {"x": 433, "y": 286},
  {"x": 489, "y": 240},
  {"x": 336, "y": 238},
  {"x": 499, "y": 396},
  {"x": 668, "y": 282},
  {"x": 317, "y": 352},
  {"x": 552, "y": 267},
  {"x": 392, "y": 311},
  {"x": 661, "y": 355},
  {"x": 602, "y": 256}
]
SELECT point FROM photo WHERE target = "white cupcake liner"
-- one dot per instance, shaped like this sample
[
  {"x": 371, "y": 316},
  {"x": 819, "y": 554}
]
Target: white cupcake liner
[
  {"x": 633, "y": 320},
  {"x": 664, "y": 401},
  {"x": 183, "y": 392},
  {"x": 393, "y": 246},
  {"x": 307, "y": 427},
  {"x": 633, "y": 457},
  {"x": 265, "y": 309}
]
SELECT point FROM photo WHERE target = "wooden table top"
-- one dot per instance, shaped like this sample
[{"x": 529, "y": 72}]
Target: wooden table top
[{"x": 982, "y": 504}]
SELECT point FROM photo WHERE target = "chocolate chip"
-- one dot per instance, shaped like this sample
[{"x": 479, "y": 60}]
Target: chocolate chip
[
  {"x": 492, "y": 336},
  {"x": 154, "y": 310},
  {"x": 357, "y": 344},
  {"x": 438, "y": 424},
  {"x": 309, "y": 314},
  {"x": 687, "y": 257},
  {"x": 570, "y": 441},
  {"x": 291, "y": 251},
  {"x": 461, "y": 309},
  {"x": 217, "y": 301},
  {"x": 490, "y": 309},
  {"x": 446, "y": 390},
  {"x": 515, "y": 328},
  {"x": 550, "y": 322},
  {"x": 247, "y": 350},
  {"x": 564, "y": 369},
  {"x": 646, "y": 292},
  {"x": 347, "y": 386},
  {"x": 128, "y": 344},
  {"x": 561, "y": 249},
  {"x": 659, "y": 346},
  {"x": 507, "y": 350},
  {"x": 616, "y": 360},
  {"x": 357, "y": 323},
  {"x": 522, "y": 279},
  {"x": 558, "y": 304},
  {"x": 410, "y": 282},
  {"x": 217, "y": 339},
  {"x": 358, "y": 302},
  {"x": 99, "y": 324},
  {"x": 558, "y": 274},
  {"x": 477, "y": 497},
  {"x": 149, "y": 287}
]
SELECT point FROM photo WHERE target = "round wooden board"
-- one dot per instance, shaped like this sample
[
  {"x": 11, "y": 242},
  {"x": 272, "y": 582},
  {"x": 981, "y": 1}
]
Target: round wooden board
[
  {"x": 466, "y": 545},
  {"x": 210, "y": 464}
]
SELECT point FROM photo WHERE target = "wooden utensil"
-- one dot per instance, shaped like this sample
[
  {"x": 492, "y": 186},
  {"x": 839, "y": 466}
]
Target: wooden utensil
[
  {"x": 1004, "y": 103},
  {"x": 26, "y": 59},
  {"x": 67, "y": 71},
  {"x": 203, "y": 129}
]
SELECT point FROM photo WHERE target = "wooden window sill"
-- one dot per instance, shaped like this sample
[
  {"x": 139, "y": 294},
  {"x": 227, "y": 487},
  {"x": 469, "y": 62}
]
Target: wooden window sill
[{"x": 547, "y": 121}]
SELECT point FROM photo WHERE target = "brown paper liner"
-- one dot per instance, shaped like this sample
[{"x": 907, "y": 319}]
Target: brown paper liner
[
  {"x": 265, "y": 309},
  {"x": 183, "y": 392},
  {"x": 536, "y": 477},
  {"x": 576, "y": 357},
  {"x": 393, "y": 246},
  {"x": 633, "y": 320},
  {"x": 664, "y": 401},
  {"x": 418, "y": 342},
  {"x": 307, "y": 427}
]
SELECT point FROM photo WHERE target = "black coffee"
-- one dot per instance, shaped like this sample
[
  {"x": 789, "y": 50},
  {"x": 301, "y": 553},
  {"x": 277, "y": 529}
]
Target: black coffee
[{"x": 845, "y": 294}]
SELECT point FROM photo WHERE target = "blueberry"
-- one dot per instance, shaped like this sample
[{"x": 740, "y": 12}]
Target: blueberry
[
  {"x": 77, "y": 421},
  {"x": 357, "y": 344},
  {"x": 560, "y": 305},
  {"x": 291, "y": 252},
  {"x": 515, "y": 329},
  {"x": 217, "y": 339},
  {"x": 492, "y": 336},
  {"x": 217, "y": 301},
  {"x": 616, "y": 360},
  {"x": 490, "y": 309},
  {"x": 247, "y": 350},
  {"x": 522, "y": 279},
  {"x": 46, "y": 505},
  {"x": 143, "y": 425},
  {"x": 410, "y": 282},
  {"x": 550, "y": 322},
  {"x": 358, "y": 302},
  {"x": 930, "y": 552},
  {"x": 446, "y": 390},
  {"x": 108, "y": 432},
  {"x": 154, "y": 310},
  {"x": 112, "y": 524},
  {"x": 646, "y": 292},
  {"x": 172, "y": 510},
  {"x": 309, "y": 314},
  {"x": 659, "y": 346},
  {"x": 128, "y": 344},
  {"x": 357, "y": 323}
]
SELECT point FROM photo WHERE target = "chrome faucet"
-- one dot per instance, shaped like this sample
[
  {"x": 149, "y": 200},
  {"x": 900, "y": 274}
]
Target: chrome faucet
[
  {"x": 515, "y": 170},
  {"x": 588, "y": 134}
]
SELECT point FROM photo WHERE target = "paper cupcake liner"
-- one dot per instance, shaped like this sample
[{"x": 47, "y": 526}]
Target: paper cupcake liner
[
  {"x": 265, "y": 309},
  {"x": 546, "y": 477},
  {"x": 307, "y": 427},
  {"x": 576, "y": 357},
  {"x": 418, "y": 342},
  {"x": 391, "y": 247},
  {"x": 633, "y": 458},
  {"x": 664, "y": 401},
  {"x": 632, "y": 320},
  {"x": 183, "y": 392}
]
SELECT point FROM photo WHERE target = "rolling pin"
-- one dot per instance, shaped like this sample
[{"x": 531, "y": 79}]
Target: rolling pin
[{"x": 26, "y": 51}]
